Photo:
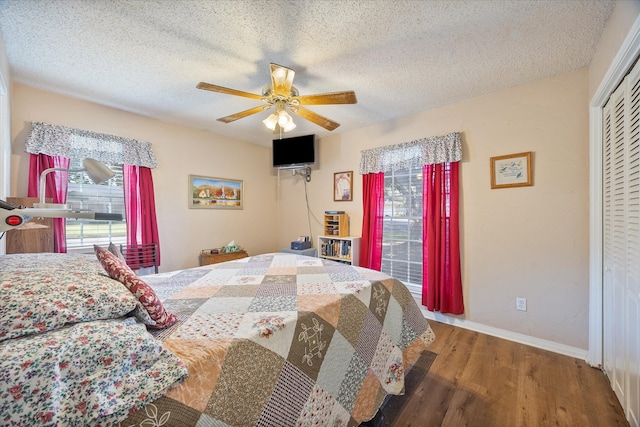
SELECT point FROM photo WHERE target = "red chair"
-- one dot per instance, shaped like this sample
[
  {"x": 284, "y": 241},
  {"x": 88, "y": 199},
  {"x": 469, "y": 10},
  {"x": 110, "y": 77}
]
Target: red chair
[{"x": 141, "y": 256}]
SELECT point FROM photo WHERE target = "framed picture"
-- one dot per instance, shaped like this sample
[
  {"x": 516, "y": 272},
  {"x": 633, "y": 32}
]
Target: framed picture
[
  {"x": 512, "y": 170},
  {"x": 215, "y": 193},
  {"x": 343, "y": 186}
]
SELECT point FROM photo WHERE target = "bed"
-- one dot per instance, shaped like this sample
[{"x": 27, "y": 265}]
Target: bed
[{"x": 272, "y": 340}]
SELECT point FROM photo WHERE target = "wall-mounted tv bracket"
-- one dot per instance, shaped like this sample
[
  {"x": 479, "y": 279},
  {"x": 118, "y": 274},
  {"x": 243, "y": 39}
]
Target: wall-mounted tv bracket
[{"x": 303, "y": 171}]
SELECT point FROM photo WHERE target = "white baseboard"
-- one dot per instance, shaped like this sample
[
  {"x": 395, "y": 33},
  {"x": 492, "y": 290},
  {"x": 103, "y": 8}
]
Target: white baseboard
[{"x": 555, "y": 347}]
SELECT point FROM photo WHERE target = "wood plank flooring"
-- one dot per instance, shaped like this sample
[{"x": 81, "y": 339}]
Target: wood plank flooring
[{"x": 480, "y": 380}]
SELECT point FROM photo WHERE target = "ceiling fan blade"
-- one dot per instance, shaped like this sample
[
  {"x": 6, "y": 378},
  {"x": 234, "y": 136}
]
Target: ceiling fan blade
[
  {"x": 346, "y": 97},
  {"x": 242, "y": 114},
  {"x": 221, "y": 89},
  {"x": 281, "y": 80},
  {"x": 316, "y": 118}
]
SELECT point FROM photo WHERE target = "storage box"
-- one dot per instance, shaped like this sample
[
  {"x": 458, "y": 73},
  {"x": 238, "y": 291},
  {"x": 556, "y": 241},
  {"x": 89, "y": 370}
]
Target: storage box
[{"x": 300, "y": 245}]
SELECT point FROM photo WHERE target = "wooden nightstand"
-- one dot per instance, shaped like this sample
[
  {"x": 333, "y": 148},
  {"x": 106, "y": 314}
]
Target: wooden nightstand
[
  {"x": 35, "y": 240},
  {"x": 206, "y": 259}
]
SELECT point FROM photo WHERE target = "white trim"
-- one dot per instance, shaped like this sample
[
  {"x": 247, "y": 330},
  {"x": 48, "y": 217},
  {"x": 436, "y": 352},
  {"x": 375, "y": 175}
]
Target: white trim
[
  {"x": 595, "y": 237},
  {"x": 501, "y": 333},
  {"x": 5, "y": 147},
  {"x": 628, "y": 52},
  {"x": 507, "y": 335},
  {"x": 5, "y": 153}
]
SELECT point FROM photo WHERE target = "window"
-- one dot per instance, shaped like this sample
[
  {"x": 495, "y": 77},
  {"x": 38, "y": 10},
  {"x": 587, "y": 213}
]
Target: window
[
  {"x": 402, "y": 227},
  {"x": 107, "y": 197},
  {"x": 396, "y": 244}
]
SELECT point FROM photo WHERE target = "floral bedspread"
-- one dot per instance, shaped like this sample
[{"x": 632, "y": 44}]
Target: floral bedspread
[
  {"x": 83, "y": 374},
  {"x": 284, "y": 340},
  {"x": 71, "y": 350}
]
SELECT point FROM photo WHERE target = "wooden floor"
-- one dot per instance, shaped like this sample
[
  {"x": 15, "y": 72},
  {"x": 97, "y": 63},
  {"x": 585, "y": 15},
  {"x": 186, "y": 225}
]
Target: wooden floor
[{"x": 480, "y": 380}]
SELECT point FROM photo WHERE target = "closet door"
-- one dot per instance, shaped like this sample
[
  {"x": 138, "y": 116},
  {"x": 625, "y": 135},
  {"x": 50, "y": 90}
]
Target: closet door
[
  {"x": 632, "y": 294},
  {"x": 621, "y": 240},
  {"x": 613, "y": 238}
]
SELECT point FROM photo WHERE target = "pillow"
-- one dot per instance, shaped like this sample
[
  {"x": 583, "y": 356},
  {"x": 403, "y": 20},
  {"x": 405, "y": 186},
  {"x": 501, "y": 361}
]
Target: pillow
[
  {"x": 150, "y": 302},
  {"x": 114, "y": 250},
  {"x": 44, "y": 291},
  {"x": 86, "y": 374}
]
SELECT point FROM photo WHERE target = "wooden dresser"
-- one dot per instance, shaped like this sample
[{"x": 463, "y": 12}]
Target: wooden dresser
[
  {"x": 31, "y": 240},
  {"x": 206, "y": 259}
]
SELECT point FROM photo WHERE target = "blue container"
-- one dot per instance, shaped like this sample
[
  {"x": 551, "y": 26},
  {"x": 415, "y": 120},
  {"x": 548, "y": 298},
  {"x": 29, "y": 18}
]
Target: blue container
[{"x": 300, "y": 245}]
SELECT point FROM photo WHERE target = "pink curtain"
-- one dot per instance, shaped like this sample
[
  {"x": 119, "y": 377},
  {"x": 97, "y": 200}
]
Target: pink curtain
[
  {"x": 140, "y": 207},
  {"x": 442, "y": 283},
  {"x": 373, "y": 206},
  {"x": 55, "y": 189}
]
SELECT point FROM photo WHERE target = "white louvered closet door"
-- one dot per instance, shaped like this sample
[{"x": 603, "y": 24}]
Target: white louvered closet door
[{"x": 621, "y": 241}]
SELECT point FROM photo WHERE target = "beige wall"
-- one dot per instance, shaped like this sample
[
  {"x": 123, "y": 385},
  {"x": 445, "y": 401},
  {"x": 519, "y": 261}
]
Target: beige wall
[
  {"x": 180, "y": 151},
  {"x": 5, "y": 128},
  {"x": 519, "y": 242},
  {"x": 624, "y": 15},
  {"x": 528, "y": 242},
  {"x": 523, "y": 242},
  {"x": 5, "y": 141}
]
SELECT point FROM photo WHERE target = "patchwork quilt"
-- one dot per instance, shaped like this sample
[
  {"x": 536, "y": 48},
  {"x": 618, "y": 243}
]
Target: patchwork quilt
[{"x": 284, "y": 340}]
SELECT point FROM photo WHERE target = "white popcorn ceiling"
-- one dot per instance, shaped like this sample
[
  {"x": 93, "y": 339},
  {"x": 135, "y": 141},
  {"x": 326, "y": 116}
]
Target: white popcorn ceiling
[{"x": 400, "y": 57}]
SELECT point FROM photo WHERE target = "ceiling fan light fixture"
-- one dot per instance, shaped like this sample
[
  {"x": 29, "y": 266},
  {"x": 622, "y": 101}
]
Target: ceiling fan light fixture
[
  {"x": 282, "y": 79},
  {"x": 280, "y": 76},
  {"x": 290, "y": 126},
  {"x": 284, "y": 119},
  {"x": 271, "y": 121}
]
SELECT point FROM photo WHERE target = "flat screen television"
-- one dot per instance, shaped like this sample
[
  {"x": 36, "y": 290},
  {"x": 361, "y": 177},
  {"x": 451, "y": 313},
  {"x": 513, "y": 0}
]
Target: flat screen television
[{"x": 294, "y": 151}]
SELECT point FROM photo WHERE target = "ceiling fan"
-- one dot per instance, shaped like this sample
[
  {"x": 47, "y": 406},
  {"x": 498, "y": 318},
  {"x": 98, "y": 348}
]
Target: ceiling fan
[{"x": 284, "y": 97}]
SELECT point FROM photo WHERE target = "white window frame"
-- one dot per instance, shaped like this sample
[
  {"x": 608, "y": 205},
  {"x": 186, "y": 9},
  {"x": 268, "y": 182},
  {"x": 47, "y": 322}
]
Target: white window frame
[
  {"x": 396, "y": 215},
  {"x": 108, "y": 197}
]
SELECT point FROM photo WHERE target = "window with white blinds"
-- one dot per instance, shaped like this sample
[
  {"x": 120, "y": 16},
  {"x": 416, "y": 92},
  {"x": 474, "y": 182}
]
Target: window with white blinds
[
  {"x": 402, "y": 227},
  {"x": 621, "y": 242},
  {"x": 108, "y": 197}
]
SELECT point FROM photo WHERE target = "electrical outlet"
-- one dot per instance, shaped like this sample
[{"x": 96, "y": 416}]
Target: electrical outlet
[{"x": 521, "y": 304}]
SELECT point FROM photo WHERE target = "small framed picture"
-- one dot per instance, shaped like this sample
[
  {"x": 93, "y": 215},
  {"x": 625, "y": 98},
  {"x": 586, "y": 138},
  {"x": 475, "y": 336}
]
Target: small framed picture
[
  {"x": 343, "y": 186},
  {"x": 512, "y": 170},
  {"x": 215, "y": 193}
]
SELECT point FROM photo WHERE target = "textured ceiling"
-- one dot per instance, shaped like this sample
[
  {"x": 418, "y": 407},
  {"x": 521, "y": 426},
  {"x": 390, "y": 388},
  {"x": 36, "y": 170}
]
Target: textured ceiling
[{"x": 400, "y": 57}]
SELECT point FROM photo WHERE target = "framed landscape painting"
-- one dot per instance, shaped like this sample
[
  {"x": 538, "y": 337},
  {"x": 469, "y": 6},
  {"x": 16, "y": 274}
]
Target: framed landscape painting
[{"x": 215, "y": 193}]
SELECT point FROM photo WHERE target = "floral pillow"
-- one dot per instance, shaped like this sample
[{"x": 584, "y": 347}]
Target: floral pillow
[
  {"x": 120, "y": 271},
  {"x": 97, "y": 371},
  {"x": 44, "y": 291}
]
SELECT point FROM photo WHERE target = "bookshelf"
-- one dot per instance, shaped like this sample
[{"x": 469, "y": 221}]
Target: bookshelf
[
  {"x": 336, "y": 225},
  {"x": 342, "y": 249}
]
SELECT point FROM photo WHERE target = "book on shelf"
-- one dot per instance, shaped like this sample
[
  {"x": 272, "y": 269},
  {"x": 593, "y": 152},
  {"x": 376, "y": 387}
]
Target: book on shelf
[{"x": 336, "y": 249}]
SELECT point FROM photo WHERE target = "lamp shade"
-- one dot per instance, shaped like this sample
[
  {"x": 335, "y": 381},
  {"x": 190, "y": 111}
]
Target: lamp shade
[
  {"x": 283, "y": 118},
  {"x": 97, "y": 171},
  {"x": 289, "y": 126},
  {"x": 271, "y": 121}
]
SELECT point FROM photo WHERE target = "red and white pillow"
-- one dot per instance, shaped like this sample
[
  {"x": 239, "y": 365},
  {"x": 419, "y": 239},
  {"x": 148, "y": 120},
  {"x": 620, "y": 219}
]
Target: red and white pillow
[{"x": 120, "y": 271}]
